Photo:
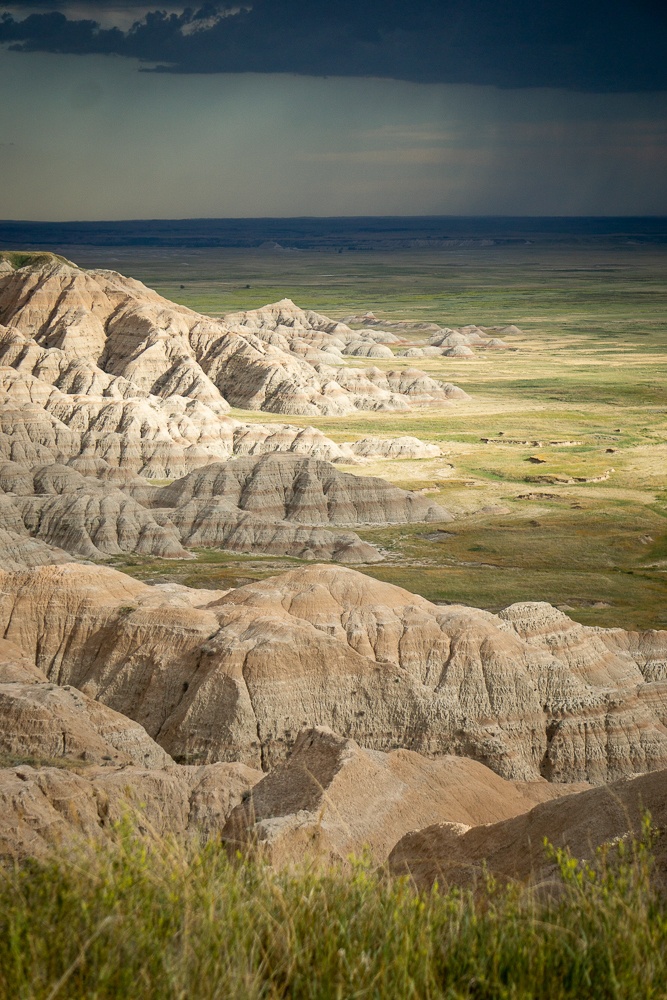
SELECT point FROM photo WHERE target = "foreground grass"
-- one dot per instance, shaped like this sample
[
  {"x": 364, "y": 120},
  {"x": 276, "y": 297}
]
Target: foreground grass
[{"x": 127, "y": 921}]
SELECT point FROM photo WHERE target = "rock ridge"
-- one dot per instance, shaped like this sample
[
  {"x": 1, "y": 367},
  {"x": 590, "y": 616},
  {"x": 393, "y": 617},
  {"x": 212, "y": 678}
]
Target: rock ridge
[{"x": 529, "y": 693}]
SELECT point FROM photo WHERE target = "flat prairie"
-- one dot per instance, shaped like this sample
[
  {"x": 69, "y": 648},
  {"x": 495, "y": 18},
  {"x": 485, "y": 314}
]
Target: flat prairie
[{"x": 582, "y": 391}]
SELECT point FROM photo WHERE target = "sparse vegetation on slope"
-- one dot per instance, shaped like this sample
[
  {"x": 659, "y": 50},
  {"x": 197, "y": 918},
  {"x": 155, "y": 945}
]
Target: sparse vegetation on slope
[
  {"x": 29, "y": 258},
  {"x": 170, "y": 922}
]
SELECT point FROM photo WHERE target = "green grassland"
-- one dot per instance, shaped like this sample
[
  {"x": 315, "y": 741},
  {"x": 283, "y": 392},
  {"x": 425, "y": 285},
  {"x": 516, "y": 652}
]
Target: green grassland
[
  {"x": 590, "y": 367},
  {"x": 169, "y": 921}
]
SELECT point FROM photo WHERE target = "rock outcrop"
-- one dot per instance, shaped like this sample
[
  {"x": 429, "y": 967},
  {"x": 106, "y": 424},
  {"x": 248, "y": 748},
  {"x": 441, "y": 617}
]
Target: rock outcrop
[
  {"x": 400, "y": 447},
  {"x": 332, "y": 799},
  {"x": 17, "y": 549},
  {"x": 42, "y": 808},
  {"x": 79, "y": 514},
  {"x": 70, "y": 768},
  {"x": 159, "y": 438},
  {"x": 459, "y": 343},
  {"x": 104, "y": 335},
  {"x": 220, "y": 524},
  {"x": 302, "y": 490},
  {"x": 276, "y": 504},
  {"x": 529, "y": 693},
  {"x": 95, "y": 365},
  {"x": 43, "y": 720},
  {"x": 92, "y": 520},
  {"x": 409, "y": 384},
  {"x": 367, "y": 349},
  {"x": 514, "y": 849}
]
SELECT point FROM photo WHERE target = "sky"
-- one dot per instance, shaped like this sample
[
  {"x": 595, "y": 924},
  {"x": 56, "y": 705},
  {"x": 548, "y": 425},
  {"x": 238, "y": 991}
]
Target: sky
[{"x": 304, "y": 107}]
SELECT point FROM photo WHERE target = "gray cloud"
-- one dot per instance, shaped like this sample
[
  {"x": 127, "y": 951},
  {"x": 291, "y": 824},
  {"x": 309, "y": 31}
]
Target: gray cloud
[{"x": 597, "y": 46}]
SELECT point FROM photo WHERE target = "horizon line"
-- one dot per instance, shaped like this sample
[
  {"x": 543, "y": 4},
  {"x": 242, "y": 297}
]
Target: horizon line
[{"x": 323, "y": 218}]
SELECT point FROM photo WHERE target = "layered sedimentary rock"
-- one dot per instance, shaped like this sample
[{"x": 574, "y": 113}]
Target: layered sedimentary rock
[
  {"x": 303, "y": 490},
  {"x": 88, "y": 518},
  {"x": 529, "y": 693},
  {"x": 155, "y": 437},
  {"x": 46, "y": 807},
  {"x": 514, "y": 849},
  {"x": 310, "y": 335},
  {"x": 72, "y": 767},
  {"x": 367, "y": 349},
  {"x": 400, "y": 447},
  {"x": 220, "y": 524},
  {"x": 17, "y": 549},
  {"x": 159, "y": 438},
  {"x": 410, "y": 385},
  {"x": 15, "y": 667},
  {"x": 97, "y": 521},
  {"x": 278, "y": 505},
  {"x": 333, "y": 799},
  {"x": 459, "y": 343},
  {"x": 99, "y": 333},
  {"x": 46, "y": 721}
]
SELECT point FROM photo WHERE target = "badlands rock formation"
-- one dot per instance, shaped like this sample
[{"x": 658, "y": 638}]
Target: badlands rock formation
[
  {"x": 528, "y": 692},
  {"x": 17, "y": 549},
  {"x": 409, "y": 383},
  {"x": 99, "y": 333},
  {"x": 400, "y": 447},
  {"x": 308, "y": 333},
  {"x": 86, "y": 518},
  {"x": 154, "y": 437},
  {"x": 159, "y": 438},
  {"x": 304, "y": 490},
  {"x": 275, "y": 504},
  {"x": 46, "y": 807},
  {"x": 514, "y": 849},
  {"x": 72, "y": 767},
  {"x": 472, "y": 336},
  {"x": 334, "y": 799},
  {"x": 459, "y": 343},
  {"x": 97, "y": 366},
  {"x": 46, "y": 721}
]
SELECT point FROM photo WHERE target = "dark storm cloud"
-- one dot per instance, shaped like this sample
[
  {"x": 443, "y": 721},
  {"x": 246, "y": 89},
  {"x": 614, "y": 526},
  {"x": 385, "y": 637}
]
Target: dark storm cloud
[{"x": 593, "y": 45}]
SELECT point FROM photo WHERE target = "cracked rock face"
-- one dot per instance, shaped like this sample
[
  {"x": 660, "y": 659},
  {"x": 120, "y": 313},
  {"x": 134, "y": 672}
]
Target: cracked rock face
[{"x": 237, "y": 678}]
